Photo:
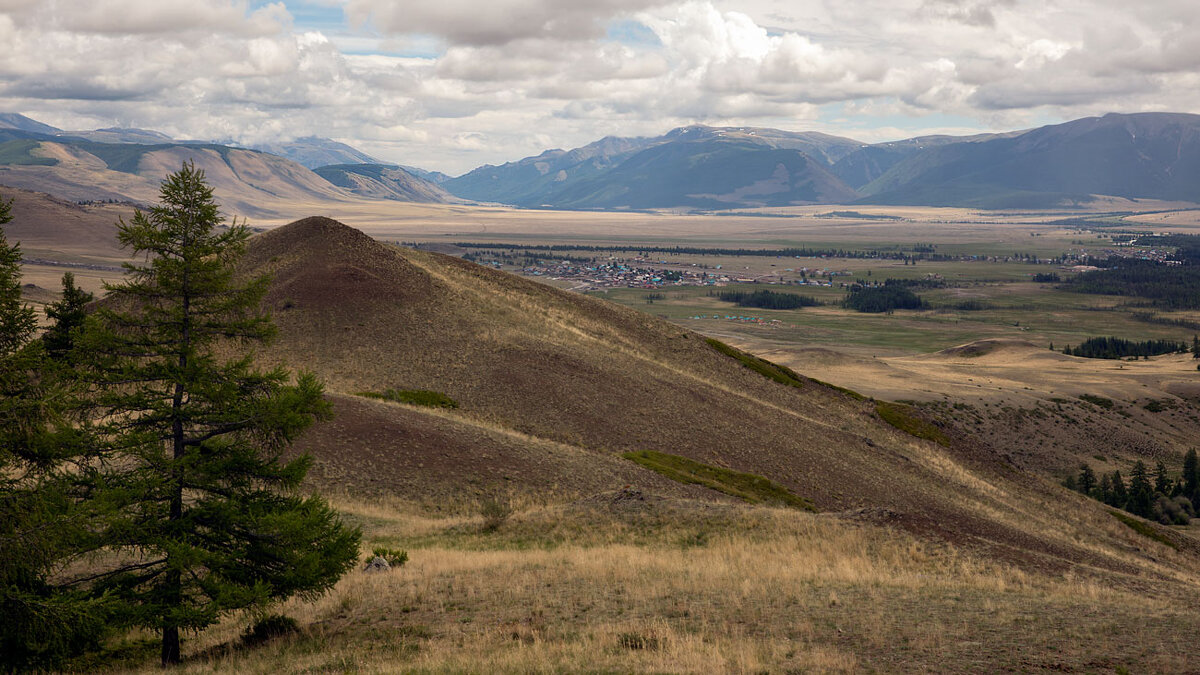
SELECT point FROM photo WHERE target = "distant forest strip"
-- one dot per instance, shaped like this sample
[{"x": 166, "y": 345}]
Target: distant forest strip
[
  {"x": 768, "y": 299},
  {"x": 879, "y": 299},
  {"x": 923, "y": 254},
  {"x": 1118, "y": 348},
  {"x": 1168, "y": 286}
]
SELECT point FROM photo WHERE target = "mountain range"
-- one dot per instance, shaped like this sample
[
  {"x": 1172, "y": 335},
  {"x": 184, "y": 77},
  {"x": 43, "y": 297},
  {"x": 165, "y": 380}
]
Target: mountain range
[
  {"x": 1135, "y": 156},
  {"x": 1138, "y": 156},
  {"x": 127, "y": 164}
]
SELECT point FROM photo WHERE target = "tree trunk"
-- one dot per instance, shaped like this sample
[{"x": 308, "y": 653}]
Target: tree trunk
[
  {"x": 170, "y": 646},
  {"x": 174, "y": 581}
]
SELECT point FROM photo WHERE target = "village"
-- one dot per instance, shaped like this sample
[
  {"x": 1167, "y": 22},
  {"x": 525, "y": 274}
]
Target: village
[{"x": 640, "y": 272}]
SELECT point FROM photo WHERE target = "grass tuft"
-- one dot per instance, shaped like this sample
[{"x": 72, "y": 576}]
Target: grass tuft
[
  {"x": 1144, "y": 529},
  {"x": 772, "y": 371},
  {"x": 745, "y": 486},
  {"x": 902, "y": 417},
  {"x": 432, "y": 399}
]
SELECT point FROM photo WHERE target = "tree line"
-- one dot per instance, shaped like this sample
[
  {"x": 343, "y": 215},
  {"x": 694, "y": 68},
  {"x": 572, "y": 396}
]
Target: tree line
[
  {"x": 143, "y": 480},
  {"x": 1154, "y": 497},
  {"x": 765, "y": 299},
  {"x": 732, "y": 252},
  {"x": 1170, "y": 286},
  {"x": 1119, "y": 348},
  {"x": 892, "y": 295}
]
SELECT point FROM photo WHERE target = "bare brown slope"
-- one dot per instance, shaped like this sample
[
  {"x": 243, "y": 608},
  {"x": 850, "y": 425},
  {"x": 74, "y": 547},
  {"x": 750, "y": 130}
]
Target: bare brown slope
[
  {"x": 592, "y": 379},
  {"x": 56, "y": 229}
]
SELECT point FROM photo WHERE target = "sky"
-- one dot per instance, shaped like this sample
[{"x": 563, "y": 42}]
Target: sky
[{"x": 450, "y": 85}]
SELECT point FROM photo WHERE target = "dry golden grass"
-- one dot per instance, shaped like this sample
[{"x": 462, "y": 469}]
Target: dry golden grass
[{"x": 642, "y": 590}]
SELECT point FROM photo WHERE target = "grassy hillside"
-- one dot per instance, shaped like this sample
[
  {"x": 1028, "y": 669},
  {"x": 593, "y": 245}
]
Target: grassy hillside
[{"x": 551, "y": 383}]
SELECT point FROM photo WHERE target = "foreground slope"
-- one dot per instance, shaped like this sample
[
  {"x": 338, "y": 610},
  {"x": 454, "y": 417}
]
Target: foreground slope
[{"x": 553, "y": 387}]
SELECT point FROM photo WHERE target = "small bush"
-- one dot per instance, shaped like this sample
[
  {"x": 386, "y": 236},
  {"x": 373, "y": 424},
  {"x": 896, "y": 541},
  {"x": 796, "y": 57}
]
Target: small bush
[
  {"x": 1171, "y": 511},
  {"x": 636, "y": 641},
  {"x": 269, "y": 628},
  {"x": 495, "y": 513},
  {"x": 394, "y": 556}
]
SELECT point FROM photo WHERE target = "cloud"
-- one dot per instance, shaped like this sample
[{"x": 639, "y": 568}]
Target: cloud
[
  {"x": 496, "y": 22},
  {"x": 456, "y": 83}
]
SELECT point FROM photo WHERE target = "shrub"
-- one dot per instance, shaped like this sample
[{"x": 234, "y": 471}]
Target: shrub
[
  {"x": 394, "y": 556},
  {"x": 269, "y": 628},
  {"x": 1169, "y": 511},
  {"x": 495, "y": 513},
  {"x": 637, "y": 641}
]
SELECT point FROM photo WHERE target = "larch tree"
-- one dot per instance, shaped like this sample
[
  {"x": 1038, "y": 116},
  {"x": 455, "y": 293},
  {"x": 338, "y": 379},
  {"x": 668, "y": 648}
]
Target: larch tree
[
  {"x": 43, "y": 526},
  {"x": 207, "y": 514},
  {"x": 67, "y": 317}
]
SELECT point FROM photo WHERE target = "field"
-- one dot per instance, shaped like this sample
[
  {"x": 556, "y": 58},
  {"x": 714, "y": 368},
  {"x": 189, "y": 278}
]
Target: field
[{"x": 628, "y": 581}]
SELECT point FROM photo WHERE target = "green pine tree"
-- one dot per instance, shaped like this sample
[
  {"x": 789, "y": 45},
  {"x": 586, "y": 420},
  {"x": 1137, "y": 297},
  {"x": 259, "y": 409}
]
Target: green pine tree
[
  {"x": 208, "y": 512},
  {"x": 1191, "y": 476},
  {"x": 42, "y": 526},
  {"x": 1141, "y": 492},
  {"x": 1087, "y": 479},
  {"x": 17, "y": 319},
  {"x": 1196, "y": 346},
  {"x": 67, "y": 315},
  {"x": 1162, "y": 484},
  {"x": 1120, "y": 495}
]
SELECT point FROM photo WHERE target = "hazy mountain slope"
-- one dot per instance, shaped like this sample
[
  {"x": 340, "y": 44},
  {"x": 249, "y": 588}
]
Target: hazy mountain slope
[
  {"x": 23, "y": 123},
  {"x": 709, "y": 173},
  {"x": 1147, "y": 155},
  {"x": 552, "y": 383},
  {"x": 122, "y": 135},
  {"x": 436, "y": 177},
  {"x": 313, "y": 151},
  {"x": 530, "y": 181},
  {"x": 599, "y": 175},
  {"x": 247, "y": 182},
  {"x": 380, "y": 181}
]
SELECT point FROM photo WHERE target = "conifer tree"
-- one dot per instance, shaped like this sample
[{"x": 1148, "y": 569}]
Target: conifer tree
[
  {"x": 17, "y": 319},
  {"x": 1162, "y": 484},
  {"x": 1191, "y": 476},
  {"x": 67, "y": 315},
  {"x": 208, "y": 514},
  {"x": 41, "y": 526},
  {"x": 1141, "y": 493},
  {"x": 1087, "y": 479},
  {"x": 1120, "y": 495}
]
